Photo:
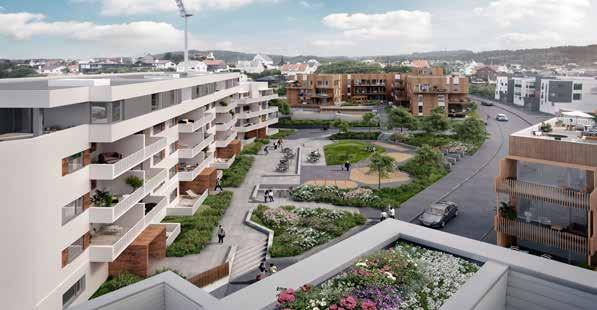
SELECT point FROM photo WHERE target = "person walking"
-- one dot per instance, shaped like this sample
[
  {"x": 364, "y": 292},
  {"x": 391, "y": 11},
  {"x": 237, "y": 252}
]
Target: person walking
[
  {"x": 266, "y": 150},
  {"x": 262, "y": 267},
  {"x": 271, "y": 195},
  {"x": 221, "y": 234},
  {"x": 383, "y": 216},
  {"x": 281, "y": 143},
  {"x": 266, "y": 195},
  {"x": 392, "y": 212},
  {"x": 275, "y": 146},
  {"x": 272, "y": 268},
  {"x": 218, "y": 185},
  {"x": 347, "y": 165}
]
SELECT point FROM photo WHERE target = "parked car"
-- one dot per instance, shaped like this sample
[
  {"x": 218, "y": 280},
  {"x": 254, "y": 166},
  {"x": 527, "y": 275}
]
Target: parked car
[
  {"x": 501, "y": 117},
  {"x": 438, "y": 214},
  {"x": 487, "y": 103}
]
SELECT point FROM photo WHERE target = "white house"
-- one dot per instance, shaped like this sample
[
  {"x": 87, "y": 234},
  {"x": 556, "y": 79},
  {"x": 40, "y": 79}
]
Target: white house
[
  {"x": 524, "y": 88},
  {"x": 264, "y": 59},
  {"x": 250, "y": 66},
  {"x": 568, "y": 94},
  {"x": 194, "y": 66},
  {"x": 164, "y": 64}
]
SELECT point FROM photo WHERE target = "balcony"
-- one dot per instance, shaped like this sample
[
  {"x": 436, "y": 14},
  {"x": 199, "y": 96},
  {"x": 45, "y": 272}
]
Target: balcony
[
  {"x": 172, "y": 231},
  {"x": 155, "y": 177},
  {"x": 109, "y": 241},
  {"x": 564, "y": 197},
  {"x": 222, "y": 140},
  {"x": 153, "y": 206},
  {"x": 272, "y": 121},
  {"x": 223, "y": 125},
  {"x": 223, "y": 163},
  {"x": 251, "y": 126},
  {"x": 187, "y": 205},
  {"x": 154, "y": 145},
  {"x": 551, "y": 236},
  {"x": 189, "y": 152},
  {"x": 190, "y": 171},
  {"x": 191, "y": 126},
  {"x": 225, "y": 107},
  {"x": 123, "y": 198},
  {"x": 113, "y": 159}
]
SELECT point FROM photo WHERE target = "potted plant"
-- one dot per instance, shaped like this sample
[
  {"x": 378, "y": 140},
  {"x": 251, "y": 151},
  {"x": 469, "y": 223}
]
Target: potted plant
[
  {"x": 507, "y": 211},
  {"x": 102, "y": 199},
  {"x": 545, "y": 127},
  {"x": 134, "y": 182}
]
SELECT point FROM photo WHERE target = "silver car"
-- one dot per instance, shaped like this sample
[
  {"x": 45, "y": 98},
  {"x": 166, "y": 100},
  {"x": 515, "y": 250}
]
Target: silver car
[
  {"x": 501, "y": 117},
  {"x": 438, "y": 214}
]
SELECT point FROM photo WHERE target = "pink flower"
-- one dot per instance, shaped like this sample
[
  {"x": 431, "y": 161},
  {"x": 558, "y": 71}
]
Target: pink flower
[
  {"x": 286, "y": 296},
  {"x": 335, "y": 307},
  {"x": 369, "y": 305},
  {"x": 348, "y": 302}
]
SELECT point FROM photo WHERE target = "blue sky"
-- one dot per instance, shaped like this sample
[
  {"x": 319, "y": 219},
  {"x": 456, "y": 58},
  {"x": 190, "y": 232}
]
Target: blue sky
[{"x": 89, "y": 28}]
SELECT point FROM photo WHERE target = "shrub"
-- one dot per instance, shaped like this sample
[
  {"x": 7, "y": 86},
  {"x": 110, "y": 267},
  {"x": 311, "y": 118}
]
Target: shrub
[
  {"x": 283, "y": 134},
  {"x": 356, "y": 135},
  {"x": 197, "y": 230},
  {"x": 235, "y": 176},
  {"x": 340, "y": 197},
  {"x": 115, "y": 283},
  {"x": 255, "y": 147},
  {"x": 319, "y": 123},
  {"x": 134, "y": 182}
]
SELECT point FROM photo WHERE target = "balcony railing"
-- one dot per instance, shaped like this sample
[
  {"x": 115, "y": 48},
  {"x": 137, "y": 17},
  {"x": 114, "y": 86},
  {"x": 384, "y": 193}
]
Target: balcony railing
[
  {"x": 188, "y": 176},
  {"x": 155, "y": 146},
  {"x": 112, "y": 171},
  {"x": 542, "y": 234},
  {"x": 187, "y": 206},
  {"x": 251, "y": 126},
  {"x": 227, "y": 107},
  {"x": 551, "y": 194},
  {"x": 160, "y": 201},
  {"x": 108, "y": 215},
  {"x": 172, "y": 231},
  {"x": 106, "y": 247},
  {"x": 224, "y": 143},
  {"x": 223, "y": 163},
  {"x": 196, "y": 125},
  {"x": 194, "y": 151},
  {"x": 223, "y": 126},
  {"x": 155, "y": 180}
]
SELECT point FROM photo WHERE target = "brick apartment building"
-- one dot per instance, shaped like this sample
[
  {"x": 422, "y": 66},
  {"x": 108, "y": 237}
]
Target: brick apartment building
[{"x": 420, "y": 91}]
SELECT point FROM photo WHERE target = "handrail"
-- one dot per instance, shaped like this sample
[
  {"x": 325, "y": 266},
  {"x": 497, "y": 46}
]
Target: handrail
[{"x": 564, "y": 197}]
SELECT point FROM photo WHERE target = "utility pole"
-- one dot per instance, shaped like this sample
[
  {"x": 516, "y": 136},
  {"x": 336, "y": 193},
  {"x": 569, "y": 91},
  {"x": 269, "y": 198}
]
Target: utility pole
[{"x": 183, "y": 13}]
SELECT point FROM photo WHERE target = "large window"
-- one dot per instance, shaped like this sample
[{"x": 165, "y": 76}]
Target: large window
[
  {"x": 71, "y": 210},
  {"x": 117, "y": 107},
  {"x": 155, "y": 102},
  {"x": 73, "y": 292},
  {"x": 577, "y": 86},
  {"x": 173, "y": 195},
  {"x": 75, "y": 162},
  {"x": 577, "y": 97},
  {"x": 99, "y": 113}
]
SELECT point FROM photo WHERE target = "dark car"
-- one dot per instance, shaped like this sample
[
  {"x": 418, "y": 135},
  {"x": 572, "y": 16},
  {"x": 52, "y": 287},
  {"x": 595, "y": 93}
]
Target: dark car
[{"x": 438, "y": 214}]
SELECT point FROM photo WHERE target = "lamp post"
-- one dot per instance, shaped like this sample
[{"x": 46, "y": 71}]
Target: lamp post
[{"x": 183, "y": 13}]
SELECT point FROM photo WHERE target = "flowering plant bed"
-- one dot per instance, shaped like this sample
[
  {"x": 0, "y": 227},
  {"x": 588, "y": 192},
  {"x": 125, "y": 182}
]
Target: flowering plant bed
[
  {"x": 297, "y": 230},
  {"x": 404, "y": 277},
  {"x": 360, "y": 197}
]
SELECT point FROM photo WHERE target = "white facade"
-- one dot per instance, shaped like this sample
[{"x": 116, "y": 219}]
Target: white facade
[
  {"x": 148, "y": 123},
  {"x": 264, "y": 59},
  {"x": 194, "y": 66},
  {"x": 501, "y": 87},
  {"x": 164, "y": 64},
  {"x": 250, "y": 66},
  {"x": 253, "y": 111},
  {"x": 523, "y": 88},
  {"x": 583, "y": 95}
]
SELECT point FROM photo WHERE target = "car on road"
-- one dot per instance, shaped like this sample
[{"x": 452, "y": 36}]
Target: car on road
[
  {"x": 438, "y": 214},
  {"x": 487, "y": 103},
  {"x": 501, "y": 117}
]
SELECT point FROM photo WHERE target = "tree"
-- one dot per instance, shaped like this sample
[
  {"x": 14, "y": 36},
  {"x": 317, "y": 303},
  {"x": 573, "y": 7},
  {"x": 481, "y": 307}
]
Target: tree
[
  {"x": 343, "y": 126},
  {"x": 282, "y": 90},
  {"x": 383, "y": 165},
  {"x": 396, "y": 69},
  {"x": 342, "y": 67},
  {"x": 436, "y": 122},
  {"x": 401, "y": 117},
  {"x": 471, "y": 130},
  {"x": 368, "y": 118},
  {"x": 282, "y": 105}
]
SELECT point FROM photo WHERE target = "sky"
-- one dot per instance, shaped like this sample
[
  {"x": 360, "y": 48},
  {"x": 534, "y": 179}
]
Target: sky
[{"x": 106, "y": 28}]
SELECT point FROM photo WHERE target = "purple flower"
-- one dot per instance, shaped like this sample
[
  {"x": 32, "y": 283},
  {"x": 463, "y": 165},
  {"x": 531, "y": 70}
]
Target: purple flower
[{"x": 384, "y": 297}]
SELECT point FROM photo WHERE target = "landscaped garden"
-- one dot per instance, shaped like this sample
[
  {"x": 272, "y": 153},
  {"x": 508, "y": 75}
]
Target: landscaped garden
[
  {"x": 235, "y": 175},
  {"x": 404, "y": 277},
  {"x": 255, "y": 147},
  {"x": 349, "y": 150},
  {"x": 356, "y": 135},
  {"x": 283, "y": 134},
  {"x": 197, "y": 230},
  {"x": 297, "y": 230}
]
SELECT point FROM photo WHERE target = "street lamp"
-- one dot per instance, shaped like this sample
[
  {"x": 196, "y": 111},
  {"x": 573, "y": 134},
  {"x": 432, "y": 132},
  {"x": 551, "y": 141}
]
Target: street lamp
[{"x": 183, "y": 13}]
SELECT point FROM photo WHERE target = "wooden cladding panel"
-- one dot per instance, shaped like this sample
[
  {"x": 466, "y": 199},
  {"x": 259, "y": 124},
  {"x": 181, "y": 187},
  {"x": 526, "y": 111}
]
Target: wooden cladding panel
[
  {"x": 64, "y": 166},
  {"x": 551, "y": 194},
  {"x": 86, "y": 157},
  {"x": 552, "y": 150},
  {"x": 210, "y": 276},
  {"x": 86, "y": 201},
  {"x": 544, "y": 235},
  {"x": 64, "y": 257}
]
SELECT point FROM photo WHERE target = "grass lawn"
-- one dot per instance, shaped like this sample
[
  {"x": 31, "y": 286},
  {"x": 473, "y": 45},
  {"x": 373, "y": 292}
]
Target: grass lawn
[
  {"x": 235, "y": 176},
  {"x": 351, "y": 150},
  {"x": 196, "y": 231},
  {"x": 297, "y": 230}
]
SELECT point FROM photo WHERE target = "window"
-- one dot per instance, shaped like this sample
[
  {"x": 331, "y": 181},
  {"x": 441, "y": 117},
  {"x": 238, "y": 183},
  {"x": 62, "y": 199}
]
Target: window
[
  {"x": 159, "y": 128},
  {"x": 73, "y": 292},
  {"x": 577, "y": 86},
  {"x": 420, "y": 99},
  {"x": 171, "y": 122},
  {"x": 173, "y": 195},
  {"x": 577, "y": 97},
  {"x": 155, "y": 102},
  {"x": 117, "y": 111},
  {"x": 420, "y": 109},
  {"x": 441, "y": 100},
  {"x": 99, "y": 113},
  {"x": 157, "y": 158},
  {"x": 424, "y": 87},
  {"x": 172, "y": 172},
  {"x": 74, "y": 163},
  {"x": 73, "y": 251},
  {"x": 71, "y": 210},
  {"x": 172, "y": 148}
]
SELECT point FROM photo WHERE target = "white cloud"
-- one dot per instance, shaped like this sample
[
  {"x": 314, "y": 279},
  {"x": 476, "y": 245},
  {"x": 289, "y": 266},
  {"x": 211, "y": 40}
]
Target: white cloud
[
  {"x": 311, "y": 4},
  {"x": 134, "y": 36},
  {"x": 134, "y": 7},
  {"x": 409, "y": 25},
  {"x": 516, "y": 40},
  {"x": 331, "y": 44}
]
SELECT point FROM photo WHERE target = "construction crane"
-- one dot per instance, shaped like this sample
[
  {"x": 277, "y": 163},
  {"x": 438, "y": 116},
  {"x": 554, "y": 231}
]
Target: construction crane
[{"x": 185, "y": 15}]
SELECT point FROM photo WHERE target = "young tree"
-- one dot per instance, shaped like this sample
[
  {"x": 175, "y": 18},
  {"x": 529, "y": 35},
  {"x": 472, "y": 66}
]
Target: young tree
[
  {"x": 401, "y": 117},
  {"x": 343, "y": 126},
  {"x": 436, "y": 122},
  {"x": 368, "y": 118},
  {"x": 383, "y": 165},
  {"x": 471, "y": 130}
]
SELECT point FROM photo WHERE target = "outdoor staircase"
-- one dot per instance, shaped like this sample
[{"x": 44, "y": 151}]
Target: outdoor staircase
[{"x": 248, "y": 259}]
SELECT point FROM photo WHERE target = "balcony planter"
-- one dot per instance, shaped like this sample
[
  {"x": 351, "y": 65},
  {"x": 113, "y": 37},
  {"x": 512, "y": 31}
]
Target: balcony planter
[
  {"x": 103, "y": 199},
  {"x": 507, "y": 211},
  {"x": 134, "y": 182}
]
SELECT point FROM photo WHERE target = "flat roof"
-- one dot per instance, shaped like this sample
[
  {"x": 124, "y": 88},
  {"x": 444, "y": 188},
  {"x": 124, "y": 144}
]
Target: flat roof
[{"x": 557, "y": 133}]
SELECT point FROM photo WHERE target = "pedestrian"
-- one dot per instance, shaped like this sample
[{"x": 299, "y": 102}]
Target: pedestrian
[
  {"x": 271, "y": 195},
  {"x": 383, "y": 216},
  {"x": 221, "y": 234},
  {"x": 262, "y": 267},
  {"x": 280, "y": 142},
  {"x": 275, "y": 146},
  {"x": 266, "y": 195},
  {"x": 218, "y": 184},
  {"x": 347, "y": 165},
  {"x": 392, "y": 212},
  {"x": 272, "y": 268},
  {"x": 266, "y": 150}
]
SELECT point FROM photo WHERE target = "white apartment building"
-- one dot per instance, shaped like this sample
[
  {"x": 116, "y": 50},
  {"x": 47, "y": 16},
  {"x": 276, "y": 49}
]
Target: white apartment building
[
  {"x": 501, "y": 87},
  {"x": 562, "y": 94},
  {"x": 70, "y": 150},
  {"x": 524, "y": 88},
  {"x": 254, "y": 113}
]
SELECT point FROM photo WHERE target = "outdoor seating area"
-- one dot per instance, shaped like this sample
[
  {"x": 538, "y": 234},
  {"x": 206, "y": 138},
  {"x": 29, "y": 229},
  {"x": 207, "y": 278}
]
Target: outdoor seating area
[{"x": 109, "y": 158}]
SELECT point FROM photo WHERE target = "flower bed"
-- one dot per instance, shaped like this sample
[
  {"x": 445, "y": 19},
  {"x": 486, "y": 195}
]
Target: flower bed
[
  {"x": 404, "y": 277},
  {"x": 297, "y": 230},
  {"x": 360, "y": 197}
]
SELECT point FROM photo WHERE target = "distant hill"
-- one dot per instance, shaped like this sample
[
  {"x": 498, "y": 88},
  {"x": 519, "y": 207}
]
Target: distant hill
[{"x": 561, "y": 55}]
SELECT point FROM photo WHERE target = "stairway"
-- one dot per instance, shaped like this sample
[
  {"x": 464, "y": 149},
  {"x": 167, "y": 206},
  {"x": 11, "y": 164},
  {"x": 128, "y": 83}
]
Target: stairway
[{"x": 248, "y": 259}]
